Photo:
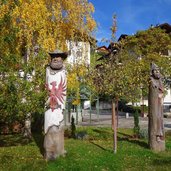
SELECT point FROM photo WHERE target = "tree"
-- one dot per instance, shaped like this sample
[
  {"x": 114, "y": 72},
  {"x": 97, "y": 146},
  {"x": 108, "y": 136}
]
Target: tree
[
  {"x": 123, "y": 74},
  {"x": 9, "y": 60},
  {"x": 50, "y": 23},
  {"x": 80, "y": 87},
  {"x": 28, "y": 30},
  {"x": 73, "y": 127}
]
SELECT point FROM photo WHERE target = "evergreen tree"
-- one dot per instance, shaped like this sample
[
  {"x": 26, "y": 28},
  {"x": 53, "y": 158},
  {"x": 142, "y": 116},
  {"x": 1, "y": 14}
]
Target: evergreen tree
[
  {"x": 136, "y": 124},
  {"x": 73, "y": 127}
]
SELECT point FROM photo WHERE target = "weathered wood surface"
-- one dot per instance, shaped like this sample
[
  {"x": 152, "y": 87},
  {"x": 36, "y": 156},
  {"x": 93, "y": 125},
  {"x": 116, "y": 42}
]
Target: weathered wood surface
[
  {"x": 156, "y": 126},
  {"x": 54, "y": 143},
  {"x": 53, "y": 125}
]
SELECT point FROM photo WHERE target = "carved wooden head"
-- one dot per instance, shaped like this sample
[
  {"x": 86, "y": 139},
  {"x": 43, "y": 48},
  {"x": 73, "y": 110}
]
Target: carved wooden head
[
  {"x": 56, "y": 63},
  {"x": 155, "y": 72},
  {"x": 57, "y": 58}
]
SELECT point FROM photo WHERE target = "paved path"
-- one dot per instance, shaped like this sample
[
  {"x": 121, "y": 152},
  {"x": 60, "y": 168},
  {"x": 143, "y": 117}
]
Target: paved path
[{"x": 105, "y": 120}]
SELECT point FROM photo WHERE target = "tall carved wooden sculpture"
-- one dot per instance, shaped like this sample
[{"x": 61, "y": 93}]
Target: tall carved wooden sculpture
[
  {"x": 53, "y": 125},
  {"x": 156, "y": 127}
]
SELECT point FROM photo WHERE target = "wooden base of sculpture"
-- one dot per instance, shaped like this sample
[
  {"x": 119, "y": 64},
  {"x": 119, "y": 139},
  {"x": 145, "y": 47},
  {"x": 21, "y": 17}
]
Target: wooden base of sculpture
[
  {"x": 54, "y": 143},
  {"x": 156, "y": 127},
  {"x": 156, "y": 141}
]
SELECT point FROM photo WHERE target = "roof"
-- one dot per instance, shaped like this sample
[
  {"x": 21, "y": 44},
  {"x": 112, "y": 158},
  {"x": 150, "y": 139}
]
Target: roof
[
  {"x": 122, "y": 36},
  {"x": 165, "y": 26},
  {"x": 102, "y": 49},
  {"x": 113, "y": 48}
]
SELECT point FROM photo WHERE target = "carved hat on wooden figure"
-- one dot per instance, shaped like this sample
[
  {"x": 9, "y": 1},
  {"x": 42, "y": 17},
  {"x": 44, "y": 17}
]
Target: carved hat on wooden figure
[{"x": 58, "y": 53}]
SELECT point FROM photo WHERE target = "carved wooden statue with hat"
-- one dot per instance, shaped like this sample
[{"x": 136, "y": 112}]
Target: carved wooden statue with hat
[
  {"x": 53, "y": 124},
  {"x": 155, "y": 103}
]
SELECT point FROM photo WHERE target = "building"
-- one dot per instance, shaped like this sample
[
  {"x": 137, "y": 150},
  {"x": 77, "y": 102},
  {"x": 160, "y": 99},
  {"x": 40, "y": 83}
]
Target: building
[
  {"x": 79, "y": 52},
  {"x": 114, "y": 49}
]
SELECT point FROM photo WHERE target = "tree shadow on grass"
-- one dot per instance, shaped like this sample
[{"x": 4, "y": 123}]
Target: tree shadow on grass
[
  {"x": 121, "y": 137},
  {"x": 162, "y": 161},
  {"x": 37, "y": 132},
  {"x": 39, "y": 139},
  {"x": 131, "y": 139},
  {"x": 102, "y": 133},
  {"x": 104, "y": 149}
]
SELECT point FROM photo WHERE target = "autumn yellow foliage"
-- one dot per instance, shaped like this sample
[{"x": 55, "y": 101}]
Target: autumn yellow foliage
[
  {"x": 75, "y": 76},
  {"x": 49, "y": 23},
  {"x": 46, "y": 25}
]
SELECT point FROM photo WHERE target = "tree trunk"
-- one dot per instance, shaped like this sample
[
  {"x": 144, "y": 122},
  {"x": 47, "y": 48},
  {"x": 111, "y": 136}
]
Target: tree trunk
[
  {"x": 27, "y": 122},
  {"x": 117, "y": 111},
  {"x": 114, "y": 127},
  {"x": 27, "y": 127}
]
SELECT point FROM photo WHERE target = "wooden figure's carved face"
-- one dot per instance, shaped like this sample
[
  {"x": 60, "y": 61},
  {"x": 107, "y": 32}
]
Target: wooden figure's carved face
[
  {"x": 156, "y": 73},
  {"x": 56, "y": 63}
]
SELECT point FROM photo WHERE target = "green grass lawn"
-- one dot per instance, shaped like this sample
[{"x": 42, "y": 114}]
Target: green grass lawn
[{"x": 93, "y": 153}]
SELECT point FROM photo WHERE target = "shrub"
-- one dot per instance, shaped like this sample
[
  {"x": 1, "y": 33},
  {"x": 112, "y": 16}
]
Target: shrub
[
  {"x": 143, "y": 133},
  {"x": 73, "y": 128},
  {"x": 136, "y": 124}
]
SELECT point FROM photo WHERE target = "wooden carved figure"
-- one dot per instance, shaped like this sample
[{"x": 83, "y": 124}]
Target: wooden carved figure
[
  {"x": 155, "y": 103},
  {"x": 53, "y": 124}
]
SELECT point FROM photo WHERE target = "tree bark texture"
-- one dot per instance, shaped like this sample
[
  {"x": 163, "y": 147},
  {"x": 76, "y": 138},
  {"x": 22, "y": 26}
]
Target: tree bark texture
[
  {"x": 114, "y": 127},
  {"x": 27, "y": 127}
]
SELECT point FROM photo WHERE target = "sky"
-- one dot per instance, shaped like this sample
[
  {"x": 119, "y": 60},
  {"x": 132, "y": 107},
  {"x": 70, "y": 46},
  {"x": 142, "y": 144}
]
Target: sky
[{"x": 132, "y": 16}]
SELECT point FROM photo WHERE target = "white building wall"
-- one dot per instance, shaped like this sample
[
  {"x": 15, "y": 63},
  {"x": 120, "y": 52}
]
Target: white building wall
[
  {"x": 167, "y": 98},
  {"x": 79, "y": 52}
]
